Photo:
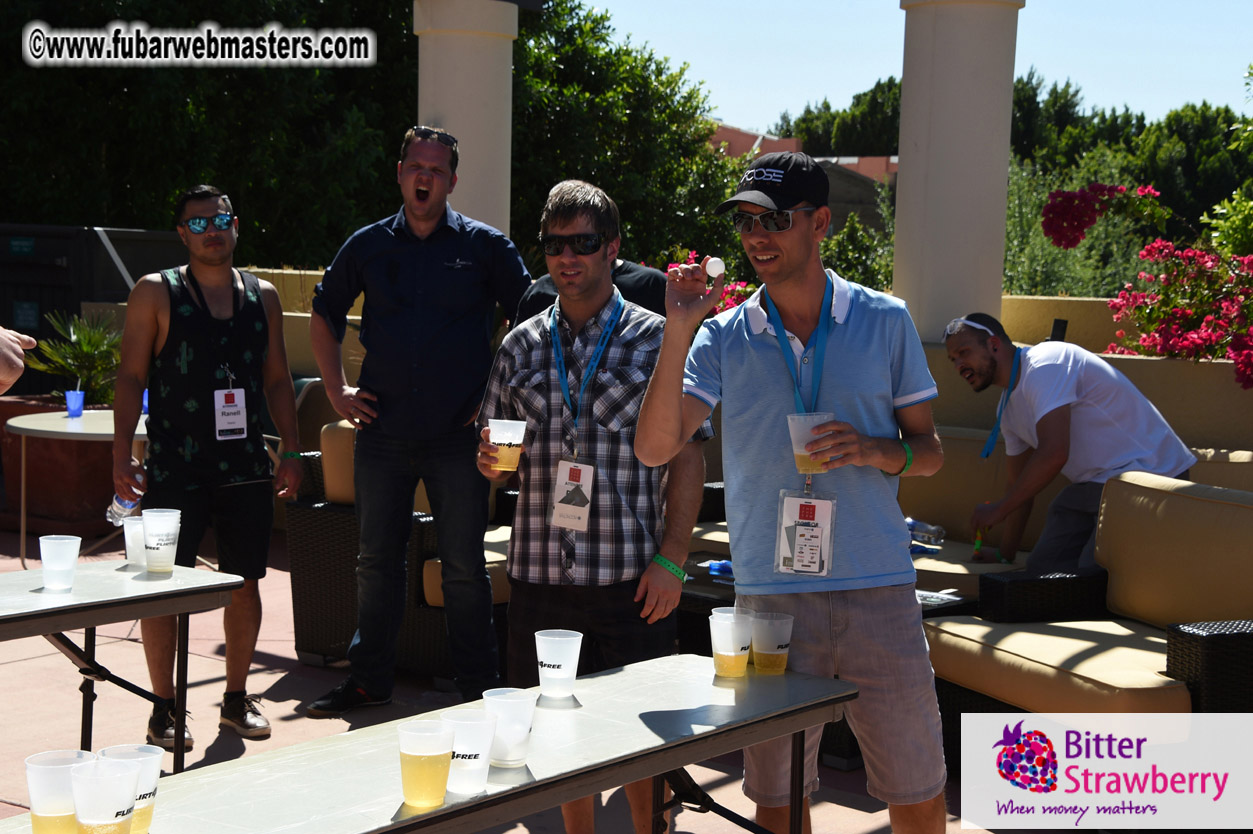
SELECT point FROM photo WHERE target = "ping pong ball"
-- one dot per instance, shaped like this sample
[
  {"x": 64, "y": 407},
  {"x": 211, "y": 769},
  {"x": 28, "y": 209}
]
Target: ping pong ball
[{"x": 715, "y": 267}]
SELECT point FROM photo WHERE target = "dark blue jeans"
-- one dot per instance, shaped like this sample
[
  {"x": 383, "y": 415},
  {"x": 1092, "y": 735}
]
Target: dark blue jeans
[{"x": 386, "y": 471}]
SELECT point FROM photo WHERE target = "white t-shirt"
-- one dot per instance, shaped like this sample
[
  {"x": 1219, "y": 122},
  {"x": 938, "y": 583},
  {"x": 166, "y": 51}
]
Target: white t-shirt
[{"x": 1113, "y": 428}]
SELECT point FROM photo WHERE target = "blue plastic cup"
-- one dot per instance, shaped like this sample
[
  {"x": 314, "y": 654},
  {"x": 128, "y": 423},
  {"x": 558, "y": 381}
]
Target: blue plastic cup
[{"x": 74, "y": 403}]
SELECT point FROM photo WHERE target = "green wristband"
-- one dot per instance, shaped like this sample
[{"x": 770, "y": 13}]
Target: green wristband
[
  {"x": 290, "y": 455},
  {"x": 909, "y": 460},
  {"x": 670, "y": 566}
]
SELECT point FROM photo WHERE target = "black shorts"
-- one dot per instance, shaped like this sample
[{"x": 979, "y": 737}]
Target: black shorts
[
  {"x": 607, "y": 616},
  {"x": 242, "y": 516}
]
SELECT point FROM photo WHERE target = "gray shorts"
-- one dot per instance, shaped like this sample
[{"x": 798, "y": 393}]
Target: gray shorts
[{"x": 872, "y": 638}]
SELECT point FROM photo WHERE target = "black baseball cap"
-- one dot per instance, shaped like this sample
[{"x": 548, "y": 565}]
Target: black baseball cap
[{"x": 780, "y": 180}]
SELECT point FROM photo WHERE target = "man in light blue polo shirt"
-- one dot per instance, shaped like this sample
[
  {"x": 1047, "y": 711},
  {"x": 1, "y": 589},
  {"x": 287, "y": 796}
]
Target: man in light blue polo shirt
[{"x": 810, "y": 341}]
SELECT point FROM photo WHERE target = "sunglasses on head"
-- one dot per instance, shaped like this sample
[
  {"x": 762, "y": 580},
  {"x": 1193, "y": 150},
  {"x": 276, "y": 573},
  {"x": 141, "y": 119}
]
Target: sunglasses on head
[
  {"x": 445, "y": 139},
  {"x": 579, "y": 244},
  {"x": 198, "y": 225},
  {"x": 779, "y": 220},
  {"x": 955, "y": 326}
]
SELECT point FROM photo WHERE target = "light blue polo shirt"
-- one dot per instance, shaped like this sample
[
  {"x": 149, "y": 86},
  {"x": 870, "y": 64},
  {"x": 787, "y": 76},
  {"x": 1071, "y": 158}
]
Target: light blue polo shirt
[{"x": 875, "y": 364}]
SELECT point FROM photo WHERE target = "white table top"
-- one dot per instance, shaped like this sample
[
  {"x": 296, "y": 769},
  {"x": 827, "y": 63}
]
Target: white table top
[
  {"x": 106, "y": 592},
  {"x": 95, "y": 424},
  {"x": 634, "y": 722}
]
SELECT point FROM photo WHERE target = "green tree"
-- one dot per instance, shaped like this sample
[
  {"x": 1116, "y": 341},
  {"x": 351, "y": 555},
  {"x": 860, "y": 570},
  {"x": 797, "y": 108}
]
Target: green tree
[
  {"x": 871, "y": 126},
  {"x": 620, "y": 117},
  {"x": 813, "y": 127}
]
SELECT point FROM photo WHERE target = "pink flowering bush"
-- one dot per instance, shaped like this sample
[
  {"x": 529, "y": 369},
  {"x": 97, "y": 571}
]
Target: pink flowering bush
[
  {"x": 1186, "y": 303},
  {"x": 1191, "y": 304}
]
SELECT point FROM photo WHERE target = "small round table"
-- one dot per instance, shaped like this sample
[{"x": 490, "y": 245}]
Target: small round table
[{"x": 93, "y": 425}]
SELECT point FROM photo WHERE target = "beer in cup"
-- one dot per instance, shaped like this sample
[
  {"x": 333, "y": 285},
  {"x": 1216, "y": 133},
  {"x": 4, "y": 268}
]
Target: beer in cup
[
  {"x": 51, "y": 793},
  {"x": 731, "y": 635},
  {"x": 425, "y": 754},
  {"x": 148, "y": 756},
  {"x": 506, "y": 436},
  {"x": 772, "y": 634},
  {"x": 800, "y": 428},
  {"x": 104, "y": 795}
]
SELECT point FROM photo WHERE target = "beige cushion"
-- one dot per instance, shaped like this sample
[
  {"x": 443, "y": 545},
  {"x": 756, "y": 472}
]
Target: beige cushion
[
  {"x": 1224, "y": 468},
  {"x": 1176, "y": 552},
  {"x": 952, "y": 570},
  {"x": 495, "y": 546},
  {"x": 712, "y": 537},
  {"x": 1101, "y": 666}
]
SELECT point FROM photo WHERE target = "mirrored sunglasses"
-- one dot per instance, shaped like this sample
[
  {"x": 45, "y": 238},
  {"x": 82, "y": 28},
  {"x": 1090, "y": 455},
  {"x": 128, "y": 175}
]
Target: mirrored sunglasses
[
  {"x": 198, "y": 225},
  {"x": 779, "y": 220},
  {"x": 554, "y": 245}
]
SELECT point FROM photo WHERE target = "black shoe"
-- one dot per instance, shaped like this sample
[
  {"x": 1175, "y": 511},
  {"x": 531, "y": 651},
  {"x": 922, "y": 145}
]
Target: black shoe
[
  {"x": 161, "y": 727},
  {"x": 348, "y": 695},
  {"x": 240, "y": 713}
]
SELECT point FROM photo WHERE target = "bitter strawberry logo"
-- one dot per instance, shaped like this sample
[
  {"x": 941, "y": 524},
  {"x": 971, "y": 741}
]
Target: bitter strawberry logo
[{"x": 1027, "y": 760}]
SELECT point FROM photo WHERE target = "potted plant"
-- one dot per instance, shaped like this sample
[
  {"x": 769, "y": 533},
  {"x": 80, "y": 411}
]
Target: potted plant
[{"x": 68, "y": 483}]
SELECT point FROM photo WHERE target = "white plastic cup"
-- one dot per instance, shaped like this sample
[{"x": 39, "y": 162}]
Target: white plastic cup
[
  {"x": 104, "y": 795},
  {"x": 161, "y": 539},
  {"x": 133, "y": 530},
  {"x": 507, "y": 436},
  {"x": 473, "y": 731},
  {"x": 557, "y": 651},
  {"x": 59, "y": 555},
  {"x": 51, "y": 793},
  {"x": 800, "y": 427},
  {"x": 731, "y": 636},
  {"x": 772, "y": 635},
  {"x": 514, "y": 710},
  {"x": 149, "y": 758},
  {"x": 425, "y": 756}
]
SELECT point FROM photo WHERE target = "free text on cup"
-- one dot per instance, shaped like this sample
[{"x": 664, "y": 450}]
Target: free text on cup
[
  {"x": 473, "y": 731},
  {"x": 507, "y": 437},
  {"x": 148, "y": 757}
]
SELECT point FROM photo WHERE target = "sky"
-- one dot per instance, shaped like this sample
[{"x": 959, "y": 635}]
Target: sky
[{"x": 1152, "y": 56}]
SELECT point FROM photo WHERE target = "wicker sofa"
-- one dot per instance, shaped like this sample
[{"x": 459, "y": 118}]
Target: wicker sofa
[
  {"x": 1169, "y": 629},
  {"x": 323, "y": 542}
]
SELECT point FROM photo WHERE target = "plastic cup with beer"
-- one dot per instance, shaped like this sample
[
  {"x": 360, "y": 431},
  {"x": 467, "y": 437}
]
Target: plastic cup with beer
[
  {"x": 506, "y": 436},
  {"x": 800, "y": 427},
  {"x": 557, "y": 650},
  {"x": 149, "y": 757},
  {"x": 731, "y": 634},
  {"x": 104, "y": 795},
  {"x": 161, "y": 539},
  {"x": 473, "y": 731},
  {"x": 59, "y": 555},
  {"x": 133, "y": 530},
  {"x": 514, "y": 709},
  {"x": 51, "y": 793},
  {"x": 772, "y": 634},
  {"x": 425, "y": 754}
]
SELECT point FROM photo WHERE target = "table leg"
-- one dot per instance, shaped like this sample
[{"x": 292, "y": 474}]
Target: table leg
[
  {"x": 797, "y": 799},
  {"x": 21, "y": 536},
  {"x": 659, "y": 799},
  {"x": 180, "y": 693},
  {"x": 88, "y": 688}
]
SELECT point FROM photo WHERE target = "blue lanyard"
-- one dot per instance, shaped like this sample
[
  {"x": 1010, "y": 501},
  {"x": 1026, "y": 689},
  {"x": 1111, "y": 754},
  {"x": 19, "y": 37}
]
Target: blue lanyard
[
  {"x": 820, "y": 346},
  {"x": 1000, "y": 409},
  {"x": 559, "y": 356}
]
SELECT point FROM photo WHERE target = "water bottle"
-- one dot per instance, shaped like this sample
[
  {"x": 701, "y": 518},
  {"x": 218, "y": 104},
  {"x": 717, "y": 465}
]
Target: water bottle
[
  {"x": 920, "y": 531},
  {"x": 119, "y": 509}
]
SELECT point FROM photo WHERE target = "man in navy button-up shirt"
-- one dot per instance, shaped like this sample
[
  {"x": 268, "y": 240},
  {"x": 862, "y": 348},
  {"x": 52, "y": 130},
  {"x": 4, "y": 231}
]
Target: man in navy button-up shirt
[{"x": 432, "y": 279}]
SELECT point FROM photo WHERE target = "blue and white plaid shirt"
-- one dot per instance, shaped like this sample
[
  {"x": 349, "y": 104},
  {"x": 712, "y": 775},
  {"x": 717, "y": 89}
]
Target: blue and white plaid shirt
[{"x": 628, "y": 498}]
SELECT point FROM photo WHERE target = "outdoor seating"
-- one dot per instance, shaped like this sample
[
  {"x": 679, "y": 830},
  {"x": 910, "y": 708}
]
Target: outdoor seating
[{"x": 1169, "y": 629}]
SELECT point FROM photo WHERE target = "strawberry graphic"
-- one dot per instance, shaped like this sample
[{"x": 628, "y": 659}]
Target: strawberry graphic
[{"x": 1027, "y": 760}]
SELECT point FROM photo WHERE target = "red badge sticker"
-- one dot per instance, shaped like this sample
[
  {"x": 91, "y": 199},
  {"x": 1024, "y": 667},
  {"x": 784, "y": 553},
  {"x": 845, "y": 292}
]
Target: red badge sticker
[
  {"x": 807, "y": 512},
  {"x": 576, "y": 475}
]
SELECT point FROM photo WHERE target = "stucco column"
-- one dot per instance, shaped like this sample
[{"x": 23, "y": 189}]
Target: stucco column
[
  {"x": 957, "y": 95},
  {"x": 465, "y": 86}
]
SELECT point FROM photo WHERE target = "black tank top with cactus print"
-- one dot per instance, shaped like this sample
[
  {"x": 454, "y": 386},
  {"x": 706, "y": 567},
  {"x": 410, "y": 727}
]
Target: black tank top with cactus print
[{"x": 183, "y": 449}]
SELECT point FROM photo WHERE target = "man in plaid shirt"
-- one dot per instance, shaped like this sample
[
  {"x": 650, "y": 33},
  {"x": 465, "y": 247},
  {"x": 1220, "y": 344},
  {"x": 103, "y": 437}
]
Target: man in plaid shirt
[{"x": 599, "y": 539}]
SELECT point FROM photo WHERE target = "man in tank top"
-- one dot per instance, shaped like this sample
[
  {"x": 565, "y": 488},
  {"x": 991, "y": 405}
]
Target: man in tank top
[{"x": 206, "y": 340}]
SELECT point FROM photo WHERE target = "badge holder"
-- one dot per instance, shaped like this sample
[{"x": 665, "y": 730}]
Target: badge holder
[{"x": 803, "y": 534}]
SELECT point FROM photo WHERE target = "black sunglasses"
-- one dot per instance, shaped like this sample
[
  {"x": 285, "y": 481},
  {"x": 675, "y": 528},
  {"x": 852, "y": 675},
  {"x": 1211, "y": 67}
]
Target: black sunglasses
[
  {"x": 198, "y": 225},
  {"x": 445, "y": 139},
  {"x": 779, "y": 220},
  {"x": 554, "y": 245}
]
